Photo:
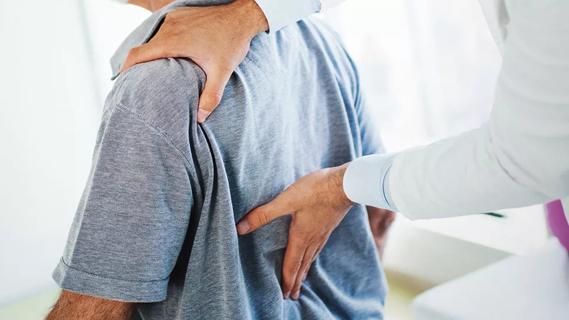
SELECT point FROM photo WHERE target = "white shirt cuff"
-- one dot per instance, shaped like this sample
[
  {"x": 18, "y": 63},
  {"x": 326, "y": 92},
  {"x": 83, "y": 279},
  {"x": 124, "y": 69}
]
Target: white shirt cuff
[
  {"x": 366, "y": 181},
  {"x": 280, "y": 13}
]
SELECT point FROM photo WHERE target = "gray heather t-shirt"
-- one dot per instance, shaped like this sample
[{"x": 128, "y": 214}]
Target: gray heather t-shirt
[{"x": 156, "y": 223}]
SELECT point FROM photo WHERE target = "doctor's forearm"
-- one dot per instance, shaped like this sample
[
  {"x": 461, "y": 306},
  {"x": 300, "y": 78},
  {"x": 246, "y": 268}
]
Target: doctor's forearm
[
  {"x": 510, "y": 162},
  {"x": 458, "y": 176},
  {"x": 520, "y": 157}
]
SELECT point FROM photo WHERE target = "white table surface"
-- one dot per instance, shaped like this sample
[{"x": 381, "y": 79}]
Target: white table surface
[{"x": 530, "y": 286}]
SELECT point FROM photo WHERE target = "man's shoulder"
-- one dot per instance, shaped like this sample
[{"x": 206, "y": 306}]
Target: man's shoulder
[
  {"x": 161, "y": 92},
  {"x": 327, "y": 43}
]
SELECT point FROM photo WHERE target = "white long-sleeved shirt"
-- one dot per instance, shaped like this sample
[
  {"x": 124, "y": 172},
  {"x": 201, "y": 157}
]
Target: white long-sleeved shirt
[{"x": 519, "y": 157}]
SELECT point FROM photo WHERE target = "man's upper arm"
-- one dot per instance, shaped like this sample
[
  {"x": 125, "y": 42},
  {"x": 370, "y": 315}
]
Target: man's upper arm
[
  {"x": 132, "y": 219},
  {"x": 369, "y": 128},
  {"x": 368, "y": 125}
]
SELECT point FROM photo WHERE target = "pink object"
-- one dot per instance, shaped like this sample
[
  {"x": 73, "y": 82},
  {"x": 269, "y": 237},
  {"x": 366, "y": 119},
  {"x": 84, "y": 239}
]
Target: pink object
[{"x": 558, "y": 222}]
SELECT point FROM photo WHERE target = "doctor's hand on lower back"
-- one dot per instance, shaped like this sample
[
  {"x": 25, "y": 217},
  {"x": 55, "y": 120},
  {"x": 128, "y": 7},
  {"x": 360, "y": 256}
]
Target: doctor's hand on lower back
[
  {"x": 217, "y": 38},
  {"x": 318, "y": 204}
]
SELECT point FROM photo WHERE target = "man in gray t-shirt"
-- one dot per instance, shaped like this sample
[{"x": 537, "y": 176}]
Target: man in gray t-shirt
[{"x": 155, "y": 229}]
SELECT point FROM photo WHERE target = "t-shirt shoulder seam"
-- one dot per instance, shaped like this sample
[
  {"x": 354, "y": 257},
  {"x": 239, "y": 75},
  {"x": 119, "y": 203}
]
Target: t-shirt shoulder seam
[{"x": 161, "y": 133}]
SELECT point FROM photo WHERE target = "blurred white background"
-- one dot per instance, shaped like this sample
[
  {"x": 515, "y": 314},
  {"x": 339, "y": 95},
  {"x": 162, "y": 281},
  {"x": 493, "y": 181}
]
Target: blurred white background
[
  {"x": 429, "y": 68},
  {"x": 53, "y": 79}
]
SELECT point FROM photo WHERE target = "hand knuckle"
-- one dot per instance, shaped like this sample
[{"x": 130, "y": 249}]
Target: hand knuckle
[
  {"x": 291, "y": 189},
  {"x": 290, "y": 269},
  {"x": 262, "y": 218},
  {"x": 287, "y": 275},
  {"x": 291, "y": 266},
  {"x": 133, "y": 52}
]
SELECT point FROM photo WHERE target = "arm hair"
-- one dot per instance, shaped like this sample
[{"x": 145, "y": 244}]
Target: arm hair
[{"x": 72, "y": 306}]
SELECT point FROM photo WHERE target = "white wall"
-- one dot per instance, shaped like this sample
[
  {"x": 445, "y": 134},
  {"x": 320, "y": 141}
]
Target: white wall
[
  {"x": 52, "y": 82},
  {"x": 428, "y": 67}
]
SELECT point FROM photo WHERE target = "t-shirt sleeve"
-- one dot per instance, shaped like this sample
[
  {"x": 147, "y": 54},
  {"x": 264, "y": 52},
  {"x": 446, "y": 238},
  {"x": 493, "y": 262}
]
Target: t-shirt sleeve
[
  {"x": 132, "y": 219},
  {"x": 369, "y": 129}
]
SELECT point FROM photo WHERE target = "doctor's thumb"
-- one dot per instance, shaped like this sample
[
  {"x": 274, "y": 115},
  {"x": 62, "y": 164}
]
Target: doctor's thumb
[{"x": 263, "y": 215}]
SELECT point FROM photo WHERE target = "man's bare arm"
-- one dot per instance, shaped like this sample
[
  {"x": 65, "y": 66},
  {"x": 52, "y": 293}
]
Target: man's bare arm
[{"x": 72, "y": 306}]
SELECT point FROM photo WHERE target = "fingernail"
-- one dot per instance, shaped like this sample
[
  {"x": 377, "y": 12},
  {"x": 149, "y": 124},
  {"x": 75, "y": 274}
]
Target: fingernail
[
  {"x": 243, "y": 227},
  {"x": 202, "y": 115},
  {"x": 286, "y": 295},
  {"x": 305, "y": 275},
  {"x": 296, "y": 295}
]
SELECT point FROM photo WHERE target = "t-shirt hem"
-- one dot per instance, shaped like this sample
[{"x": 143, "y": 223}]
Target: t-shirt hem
[{"x": 78, "y": 281}]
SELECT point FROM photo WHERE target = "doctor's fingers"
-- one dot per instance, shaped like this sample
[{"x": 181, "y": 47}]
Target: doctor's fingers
[
  {"x": 294, "y": 255},
  {"x": 217, "y": 72},
  {"x": 309, "y": 257},
  {"x": 282, "y": 205},
  {"x": 210, "y": 98},
  {"x": 299, "y": 256}
]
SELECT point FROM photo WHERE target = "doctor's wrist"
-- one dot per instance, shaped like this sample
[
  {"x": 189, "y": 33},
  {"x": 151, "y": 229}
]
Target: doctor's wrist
[
  {"x": 365, "y": 181},
  {"x": 337, "y": 184},
  {"x": 250, "y": 16}
]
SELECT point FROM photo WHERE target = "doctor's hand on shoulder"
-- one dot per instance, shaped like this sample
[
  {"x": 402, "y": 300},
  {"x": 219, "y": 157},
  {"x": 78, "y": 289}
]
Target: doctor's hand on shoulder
[{"x": 217, "y": 38}]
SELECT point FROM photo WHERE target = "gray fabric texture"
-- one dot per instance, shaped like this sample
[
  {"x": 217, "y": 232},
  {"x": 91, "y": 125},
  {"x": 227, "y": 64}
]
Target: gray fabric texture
[{"x": 293, "y": 106}]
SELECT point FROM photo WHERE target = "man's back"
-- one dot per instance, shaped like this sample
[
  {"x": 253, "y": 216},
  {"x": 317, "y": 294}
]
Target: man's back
[{"x": 157, "y": 221}]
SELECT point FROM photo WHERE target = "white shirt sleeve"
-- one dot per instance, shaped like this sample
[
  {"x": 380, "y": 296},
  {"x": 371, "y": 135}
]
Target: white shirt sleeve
[
  {"x": 280, "y": 13},
  {"x": 365, "y": 181},
  {"x": 330, "y": 3},
  {"x": 521, "y": 156}
]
